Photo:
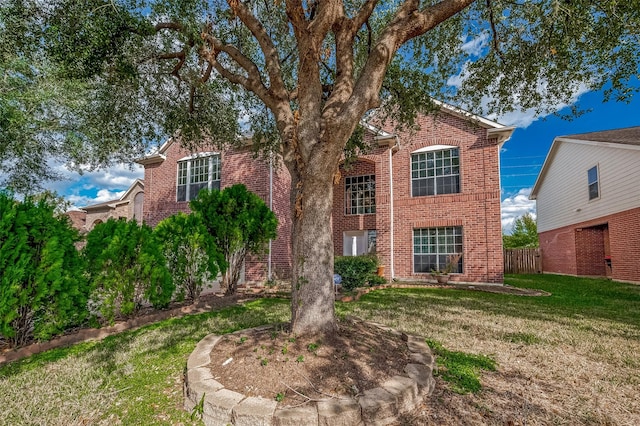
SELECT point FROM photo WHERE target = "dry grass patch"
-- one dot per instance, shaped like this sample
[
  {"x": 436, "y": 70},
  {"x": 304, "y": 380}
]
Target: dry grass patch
[{"x": 560, "y": 360}]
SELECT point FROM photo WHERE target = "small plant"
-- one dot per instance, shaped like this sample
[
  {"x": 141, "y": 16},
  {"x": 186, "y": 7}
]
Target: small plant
[
  {"x": 198, "y": 409},
  {"x": 264, "y": 362},
  {"x": 452, "y": 263},
  {"x": 313, "y": 347},
  {"x": 242, "y": 340},
  {"x": 280, "y": 396},
  {"x": 292, "y": 339},
  {"x": 300, "y": 358},
  {"x": 274, "y": 335},
  {"x": 525, "y": 338},
  {"x": 284, "y": 350}
]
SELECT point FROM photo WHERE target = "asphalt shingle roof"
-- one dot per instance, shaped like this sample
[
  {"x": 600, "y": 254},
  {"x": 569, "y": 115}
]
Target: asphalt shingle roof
[{"x": 627, "y": 136}]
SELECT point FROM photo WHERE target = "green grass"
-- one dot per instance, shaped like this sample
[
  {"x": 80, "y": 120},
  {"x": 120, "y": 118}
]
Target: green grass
[
  {"x": 133, "y": 378},
  {"x": 587, "y": 328},
  {"x": 461, "y": 370}
]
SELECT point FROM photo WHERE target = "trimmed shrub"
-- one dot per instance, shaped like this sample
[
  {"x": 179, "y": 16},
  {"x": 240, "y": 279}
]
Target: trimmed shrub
[
  {"x": 126, "y": 269},
  {"x": 357, "y": 271},
  {"x": 240, "y": 223},
  {"x": 42, "y": 288},
  {"x": 191, "y": 255}
]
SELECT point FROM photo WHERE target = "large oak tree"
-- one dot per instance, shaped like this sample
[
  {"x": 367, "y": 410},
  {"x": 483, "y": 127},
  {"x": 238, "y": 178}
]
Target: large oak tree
[{"x": 305, "y": 73}]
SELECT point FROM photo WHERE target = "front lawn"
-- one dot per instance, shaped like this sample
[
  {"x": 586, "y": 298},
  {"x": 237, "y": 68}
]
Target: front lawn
[{"x": 570, "y": 358}]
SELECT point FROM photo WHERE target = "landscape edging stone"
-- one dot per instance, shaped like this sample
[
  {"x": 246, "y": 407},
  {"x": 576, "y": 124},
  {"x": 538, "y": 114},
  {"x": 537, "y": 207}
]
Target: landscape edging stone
[{"x": 378, "y": 406}]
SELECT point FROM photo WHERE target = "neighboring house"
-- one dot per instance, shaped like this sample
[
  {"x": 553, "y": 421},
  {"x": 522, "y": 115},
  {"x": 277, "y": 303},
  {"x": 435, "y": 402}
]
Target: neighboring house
[
  {"x": 588, "y": 205},
  {"x": 128, "y": 207},
  {"x": 78, "y": 219},
  {"x": 417, "y": 198}
]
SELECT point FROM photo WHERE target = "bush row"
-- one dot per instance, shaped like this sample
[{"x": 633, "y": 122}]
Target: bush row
[{"x": 48, "y": 286}]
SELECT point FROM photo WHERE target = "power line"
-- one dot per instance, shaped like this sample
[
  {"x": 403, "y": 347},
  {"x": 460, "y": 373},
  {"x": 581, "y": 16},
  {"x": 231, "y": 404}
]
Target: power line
[{"x": 530, "y": 156}]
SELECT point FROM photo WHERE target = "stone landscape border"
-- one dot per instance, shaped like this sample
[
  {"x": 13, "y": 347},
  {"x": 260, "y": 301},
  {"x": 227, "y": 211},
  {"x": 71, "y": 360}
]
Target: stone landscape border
[{"x": 217, "y": 405}]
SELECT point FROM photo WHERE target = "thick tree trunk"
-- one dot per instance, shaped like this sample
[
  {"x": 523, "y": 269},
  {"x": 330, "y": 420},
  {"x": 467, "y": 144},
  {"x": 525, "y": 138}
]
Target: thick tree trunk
[{"x": 312, "y": 302}]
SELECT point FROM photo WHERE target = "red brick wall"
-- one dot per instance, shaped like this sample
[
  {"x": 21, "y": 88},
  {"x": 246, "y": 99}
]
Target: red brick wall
[
  {"x": 342, "y": 222},
  {"x": 476, "y": 208},
  {"x": 590, "y": 251},
  {"x": 562, "y": 253},
  {"x": 238, "y": 166},
  {"x": 558, "y": 249}
]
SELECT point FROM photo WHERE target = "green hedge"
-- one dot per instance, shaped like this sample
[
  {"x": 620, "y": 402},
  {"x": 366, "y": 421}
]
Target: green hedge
[{"x": 357, "y": 271}]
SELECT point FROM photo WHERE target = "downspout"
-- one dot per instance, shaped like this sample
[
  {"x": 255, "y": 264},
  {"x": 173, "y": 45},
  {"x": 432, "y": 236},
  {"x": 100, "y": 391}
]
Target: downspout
[
  {"x": 391, "y": 257},
  {"x": 270, "y": 208}
]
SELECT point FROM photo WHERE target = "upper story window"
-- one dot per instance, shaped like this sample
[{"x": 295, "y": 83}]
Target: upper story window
[
  {"x": 360, "y": 194},
  {"x": 435, "y": 172},
  {"x": 196, "y": 173},
  {"x": 592, "y": 176}
]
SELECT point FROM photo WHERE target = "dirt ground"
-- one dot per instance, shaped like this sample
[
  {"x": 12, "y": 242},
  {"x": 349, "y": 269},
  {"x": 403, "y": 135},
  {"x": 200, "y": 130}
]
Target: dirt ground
[{"x": 294, "y": 370}]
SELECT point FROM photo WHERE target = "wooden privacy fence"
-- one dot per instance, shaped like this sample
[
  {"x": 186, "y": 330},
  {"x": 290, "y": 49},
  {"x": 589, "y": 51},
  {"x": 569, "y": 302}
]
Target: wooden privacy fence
[{"x": 522, "y": 261}]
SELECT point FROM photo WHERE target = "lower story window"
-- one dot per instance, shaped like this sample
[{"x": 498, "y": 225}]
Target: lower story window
[{"x": 432, "y": 248}]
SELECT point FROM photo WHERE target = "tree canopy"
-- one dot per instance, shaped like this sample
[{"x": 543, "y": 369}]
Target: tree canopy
[
  {"x": 524, "y": 233},
  {"x": 301, "y": 75}
]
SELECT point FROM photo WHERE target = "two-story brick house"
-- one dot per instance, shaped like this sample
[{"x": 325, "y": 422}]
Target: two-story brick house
[
  {"x": 417, "y": 197},
  {"x": 421, "y": 197}
]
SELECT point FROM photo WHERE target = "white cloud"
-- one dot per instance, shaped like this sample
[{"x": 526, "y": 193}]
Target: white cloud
[
  {"x": 102, "y": 196},
  {"x": 516, "y": 206},
  {"x": 475, "y": 46},
  {"x": 523, "y": 118},
  {"x": 520, "y": 118},
  {"x": 96, "y": 186}
]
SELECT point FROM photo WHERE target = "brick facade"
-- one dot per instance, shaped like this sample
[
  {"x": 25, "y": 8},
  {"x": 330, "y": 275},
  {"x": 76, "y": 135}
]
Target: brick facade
[
  {"x": 581, "y": 249},
  {"x": 476, "y": 208},
  {"x": 238, "y": 166}
]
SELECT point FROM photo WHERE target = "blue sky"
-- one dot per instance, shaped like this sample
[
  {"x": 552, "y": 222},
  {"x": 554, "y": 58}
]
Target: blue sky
[
  {"x": 523, "y": 155},
  {"x": 521, "y": 158}
]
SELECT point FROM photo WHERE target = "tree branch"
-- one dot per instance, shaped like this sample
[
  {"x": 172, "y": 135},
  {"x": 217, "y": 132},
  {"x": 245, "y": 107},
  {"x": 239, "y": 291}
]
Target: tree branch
[
  {"x": 494, "y": 31},
  {"x": 364, "y": 14},
  {"x": 270, "y": 52},
  {"x": 169, "y": 26}
]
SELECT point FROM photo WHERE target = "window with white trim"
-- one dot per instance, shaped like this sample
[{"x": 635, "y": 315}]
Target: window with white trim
[
  {"x": 197, "y": 173},
  {"x": 435, "y": 172},
  {"x": 360, "y": 194},
  {"x": 593, "y": 180},
  {"x": 432, "y": 248}
]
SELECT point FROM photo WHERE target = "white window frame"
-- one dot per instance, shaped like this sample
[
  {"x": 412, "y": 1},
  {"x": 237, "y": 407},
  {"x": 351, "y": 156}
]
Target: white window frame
[
  {"x": 418, "y": 175},
  {"x": 441, "y": 242},
  {"x": 185, "y": 174},
  {"x": 596, "y": 182},
  {"x": 361, "y": 207}
]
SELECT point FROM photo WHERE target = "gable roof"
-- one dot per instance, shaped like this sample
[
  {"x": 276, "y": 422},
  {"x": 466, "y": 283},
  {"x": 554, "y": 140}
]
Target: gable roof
[
  {"x": 494, "y": 129},
  {"x": 114, "y": 203},
  {"x": 626, "y": 138}
]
